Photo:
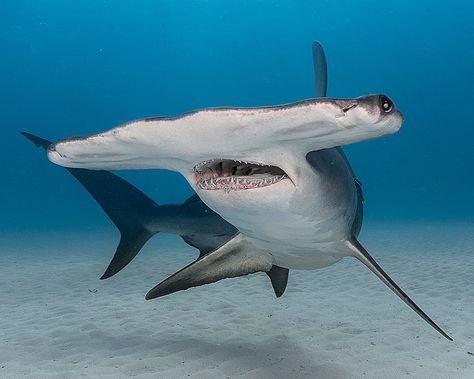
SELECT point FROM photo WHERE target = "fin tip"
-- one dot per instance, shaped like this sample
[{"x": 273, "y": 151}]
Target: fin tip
[{"x": 359, "y": 252}]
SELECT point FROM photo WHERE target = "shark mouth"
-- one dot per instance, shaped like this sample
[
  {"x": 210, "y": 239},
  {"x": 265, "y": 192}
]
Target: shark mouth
[{"x": 226, "y": 174}]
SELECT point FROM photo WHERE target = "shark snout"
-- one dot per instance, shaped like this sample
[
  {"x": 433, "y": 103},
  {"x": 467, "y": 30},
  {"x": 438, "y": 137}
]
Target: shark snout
[
  {"x": 51, "y": 149},
  {"x": 59, "y": 153},
  {"x": 53, "y": 155},
  {"x": 56, "y": 154},
  {"x": 369, "y": 116}
]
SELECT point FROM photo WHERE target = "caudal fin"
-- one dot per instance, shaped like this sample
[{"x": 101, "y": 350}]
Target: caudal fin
[
  {"x": 362, "y": 255},
  {"x": 128, "y": 208}
]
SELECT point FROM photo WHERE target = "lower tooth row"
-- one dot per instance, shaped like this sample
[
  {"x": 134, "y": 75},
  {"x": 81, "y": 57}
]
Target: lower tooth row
[{"x": 237, "y": 183}]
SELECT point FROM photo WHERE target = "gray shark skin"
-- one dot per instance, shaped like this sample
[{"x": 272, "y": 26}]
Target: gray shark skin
[
  {"x": 138, "y": 217},
  {"x": 328, "y": 172}
]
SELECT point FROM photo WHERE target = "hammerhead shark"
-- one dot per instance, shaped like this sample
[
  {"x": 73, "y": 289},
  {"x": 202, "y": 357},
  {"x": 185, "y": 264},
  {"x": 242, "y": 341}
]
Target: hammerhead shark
[{"x": 274, "y": 188}]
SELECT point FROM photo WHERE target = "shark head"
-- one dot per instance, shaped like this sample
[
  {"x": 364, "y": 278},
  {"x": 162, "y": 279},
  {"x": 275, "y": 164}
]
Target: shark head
[
  {"x": 272, "y": 165},
  {"x": 215, "y": 146}
]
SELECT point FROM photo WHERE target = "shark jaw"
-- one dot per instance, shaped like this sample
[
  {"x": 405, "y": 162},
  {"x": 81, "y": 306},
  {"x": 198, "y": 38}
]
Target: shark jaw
[{"x": 227, "y": 175}]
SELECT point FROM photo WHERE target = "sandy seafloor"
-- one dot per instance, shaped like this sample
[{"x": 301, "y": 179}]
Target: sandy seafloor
[{"x": 59, "y": 321}]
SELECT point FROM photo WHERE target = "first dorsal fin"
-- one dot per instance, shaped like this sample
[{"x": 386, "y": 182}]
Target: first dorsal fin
[
  {"x": 234, "y": 258},
  {"x": 362, "y": 255},
  {"x": 320, "y": 70}
]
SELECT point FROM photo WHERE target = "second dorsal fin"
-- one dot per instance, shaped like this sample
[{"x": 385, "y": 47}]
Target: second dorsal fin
[{"x": 279, "y": 277}]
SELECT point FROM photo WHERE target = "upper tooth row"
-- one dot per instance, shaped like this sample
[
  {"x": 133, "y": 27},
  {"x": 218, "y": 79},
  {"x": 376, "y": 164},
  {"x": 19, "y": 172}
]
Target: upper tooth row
[{"x": 202, "y": 164}]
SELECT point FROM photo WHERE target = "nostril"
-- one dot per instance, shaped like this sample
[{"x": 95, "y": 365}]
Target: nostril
[
  {"x": 386, "y": 104},
  {"x": 52, "y": 152},
  {"x": 349, "y": 106}
]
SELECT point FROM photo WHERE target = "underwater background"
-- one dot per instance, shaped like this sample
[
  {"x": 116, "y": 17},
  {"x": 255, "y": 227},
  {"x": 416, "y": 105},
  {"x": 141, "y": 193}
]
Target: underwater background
[
  {"x": 73, "y": 68},
  {"x": 79, "y": 67}
]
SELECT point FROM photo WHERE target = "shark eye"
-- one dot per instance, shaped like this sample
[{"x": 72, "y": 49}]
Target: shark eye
[{"x": 386, "y": 103}]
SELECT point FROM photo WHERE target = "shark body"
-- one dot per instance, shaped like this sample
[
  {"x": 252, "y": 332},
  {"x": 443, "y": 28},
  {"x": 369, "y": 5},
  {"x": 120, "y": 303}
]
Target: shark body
[{"x": 275, "y": 175}]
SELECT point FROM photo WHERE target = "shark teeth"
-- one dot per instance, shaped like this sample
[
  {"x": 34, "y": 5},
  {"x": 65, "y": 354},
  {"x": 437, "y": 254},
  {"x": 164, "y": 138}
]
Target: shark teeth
[
  {"x": 206, "y": 164},
  {"x": 227, "y": 174},
  {"x": 239, "y": 183}
]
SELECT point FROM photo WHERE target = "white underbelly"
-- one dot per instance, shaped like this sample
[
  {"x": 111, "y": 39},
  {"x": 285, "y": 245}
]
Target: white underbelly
[
  {"x": 304, "y": 252},
  {"x": 302, "y": 226}
]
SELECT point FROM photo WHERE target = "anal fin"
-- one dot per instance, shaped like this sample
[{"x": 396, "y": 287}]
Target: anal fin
[
  {"x": 279, "y": 278},
  {"x": 234, "y": 258}
]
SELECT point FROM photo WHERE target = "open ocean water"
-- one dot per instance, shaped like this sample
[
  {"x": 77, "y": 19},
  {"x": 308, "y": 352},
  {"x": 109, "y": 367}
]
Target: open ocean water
[{"x": 76, "y": 68}]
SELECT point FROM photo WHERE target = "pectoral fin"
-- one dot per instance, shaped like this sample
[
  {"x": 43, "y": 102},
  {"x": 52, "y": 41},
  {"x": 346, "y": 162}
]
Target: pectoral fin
[
  {"x": 234, "y": 258},
  {"x": 362, "y": 255}
]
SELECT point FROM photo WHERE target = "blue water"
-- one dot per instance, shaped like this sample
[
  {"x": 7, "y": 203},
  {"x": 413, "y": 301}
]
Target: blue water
[
  {"x": 78, "y": 67},
  {"x": 70, "y": 68}
]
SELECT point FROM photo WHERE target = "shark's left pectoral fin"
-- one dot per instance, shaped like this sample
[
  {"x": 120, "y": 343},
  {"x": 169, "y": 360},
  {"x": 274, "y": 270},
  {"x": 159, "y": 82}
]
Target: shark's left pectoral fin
[
  {"x": 234, "y": 258},
  {"x": 362, "y": 255}
]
